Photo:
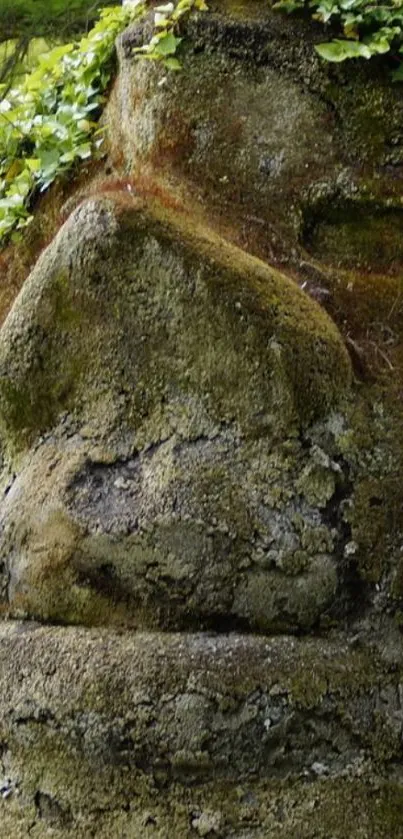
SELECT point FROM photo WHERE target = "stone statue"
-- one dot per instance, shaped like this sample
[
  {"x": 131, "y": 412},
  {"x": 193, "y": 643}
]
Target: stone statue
[{"x": 201, "y": 568}]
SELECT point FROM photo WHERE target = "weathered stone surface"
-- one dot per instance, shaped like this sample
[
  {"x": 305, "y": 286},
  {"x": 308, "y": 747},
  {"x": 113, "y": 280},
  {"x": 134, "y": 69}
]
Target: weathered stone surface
[
  {"x": 296, "y": 160},
  {"x": 178, "y": 490},
  {"x": 143, "y": 309},
  {"x": 283, "y": 148},
  {"x": 135, "y": 727}
]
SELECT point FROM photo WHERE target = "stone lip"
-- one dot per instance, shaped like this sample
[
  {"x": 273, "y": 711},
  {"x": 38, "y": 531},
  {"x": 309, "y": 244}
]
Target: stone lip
[
  {"x": 189, "y": 735},
  {"x": 189, "y": 707}
]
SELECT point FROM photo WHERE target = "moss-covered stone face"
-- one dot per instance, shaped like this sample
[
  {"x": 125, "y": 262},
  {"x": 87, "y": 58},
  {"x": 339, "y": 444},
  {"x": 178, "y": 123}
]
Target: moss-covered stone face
[
  {"x": 171, "y": 486},
  {"x": 189, "y": 533},
  {"x": 202, "y": 365},
  {"x": 143, "y": 313},
  {"x": 126, "y": 731}
]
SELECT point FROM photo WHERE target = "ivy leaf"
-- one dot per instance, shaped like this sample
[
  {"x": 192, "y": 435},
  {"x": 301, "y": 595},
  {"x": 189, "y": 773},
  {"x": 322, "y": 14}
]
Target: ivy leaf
[
  {"x": 51, "y": 59},
  {"x": 48, "y": 159},
  {"x": 161, "y": 20},
  {"x": 288, "y": 6},
  {"x": 33, "y": 163},
  {"x": 377, "y": 44},
  {"x": 338, "y": 51},
  {"x": 84, "y": 151},
  {"x": 11, "y": 202},
  {"x": 47, "y": 121},
  {"x": 167, "y": 44},
  {"x": 172, "y": 63},
  {"x": 348, "y": 4},
  {"x": 14, "y": 170}
]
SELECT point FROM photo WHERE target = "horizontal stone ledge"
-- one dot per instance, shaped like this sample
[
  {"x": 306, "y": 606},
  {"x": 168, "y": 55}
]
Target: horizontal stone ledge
[{"x": 188, "y": 708}]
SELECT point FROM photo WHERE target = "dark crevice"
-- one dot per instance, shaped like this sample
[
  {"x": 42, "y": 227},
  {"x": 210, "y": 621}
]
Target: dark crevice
[
  {"x": 101, "y": 579},
  {"x": 50, "y": 811},
  {"x": 220, "y": 624},
  {"x": 353, "y": 593},
  {"x": 42, "y": 717}
]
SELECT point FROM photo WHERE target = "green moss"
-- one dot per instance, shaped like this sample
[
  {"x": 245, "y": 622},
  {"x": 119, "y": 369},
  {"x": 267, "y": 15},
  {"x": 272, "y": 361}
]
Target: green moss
[
  {"x": 343, "y": 807},
  {"x": 284, "y": 331},
  {"x": 369, "y": 520},
  {"x": 34, "y": 406},
  {"x": 249, "y": 342},
  {"x": 355, "y": 808},
  {"x": 371, "y": 449},
  {"x": 388, "y": 809},
  {"x": 308, "y": 688},
  {"x": 317, "y": 484},
  {"x": 317, "y": 676},
  {"x": 317, "y": 540},
  {"x": 358, "y": 236},
  {"x": 295, "y": 563},
  {"x": 385, "y": 739},
  {"x": 397, "y": 589},
  {"x": 366, "y": 108},
  {"x": 31, "y": 401}
]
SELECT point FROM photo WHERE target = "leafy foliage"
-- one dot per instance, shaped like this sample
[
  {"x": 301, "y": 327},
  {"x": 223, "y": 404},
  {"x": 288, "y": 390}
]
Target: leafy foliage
[
  {"x": 48, "y": 122},
  {"x": 55, "y": 21},
  {"x": 164, "y": 43},
  {"x": 369, "y": 28}
]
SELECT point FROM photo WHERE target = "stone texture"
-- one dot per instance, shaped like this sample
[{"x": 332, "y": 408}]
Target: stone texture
[
  {"x": 140, "y": 305},
  {"x": 276, "y": 145},
  {"x": 177, "y": 490},
  {"x": 129, "y": 730},
  {"x": 296, "y": 160},
  {"x": 192, "y": 450}
]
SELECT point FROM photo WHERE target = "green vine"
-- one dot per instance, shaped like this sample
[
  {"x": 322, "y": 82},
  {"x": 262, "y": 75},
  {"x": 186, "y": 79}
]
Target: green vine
[
  {"x": 369, "y": 28},
  {"x": 48, "y": 122}
]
